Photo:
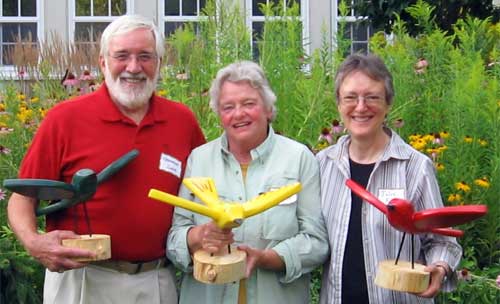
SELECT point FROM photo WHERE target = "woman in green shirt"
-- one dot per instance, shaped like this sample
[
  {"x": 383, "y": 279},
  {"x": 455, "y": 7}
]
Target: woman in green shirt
[{"x": 283, "y": 244}]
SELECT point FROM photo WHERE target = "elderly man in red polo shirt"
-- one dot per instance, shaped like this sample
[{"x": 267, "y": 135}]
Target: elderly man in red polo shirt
[{"x": 90, "y": 132}]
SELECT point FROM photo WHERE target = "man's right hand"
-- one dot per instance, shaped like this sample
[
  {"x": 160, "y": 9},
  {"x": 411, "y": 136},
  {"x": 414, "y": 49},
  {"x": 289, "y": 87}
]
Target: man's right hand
[{"x": 47, "y": 248}]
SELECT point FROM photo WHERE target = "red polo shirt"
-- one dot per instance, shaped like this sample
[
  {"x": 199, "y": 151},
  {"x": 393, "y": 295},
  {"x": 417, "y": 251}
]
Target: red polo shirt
[{"x": 90, "y": 132}]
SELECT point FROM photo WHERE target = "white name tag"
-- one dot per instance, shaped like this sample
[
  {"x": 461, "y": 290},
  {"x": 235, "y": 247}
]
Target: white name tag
[
  {"x": 292, "y": 199},
  {"x": 170, "y": 164},
  {"x": 386, "y": 195}
]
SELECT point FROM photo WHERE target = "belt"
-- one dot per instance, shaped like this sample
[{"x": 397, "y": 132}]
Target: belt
[{"x": 133, "y": 267}]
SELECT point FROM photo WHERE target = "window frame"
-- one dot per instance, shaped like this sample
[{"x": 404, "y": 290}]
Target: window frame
[
  {"x": 180, "y": 18},
  {"x": 351, "y": 21},
  {"x": 73, "y": 19},
  {"x": 304, "y": 18},
  {"x": 9, "y": 71}
]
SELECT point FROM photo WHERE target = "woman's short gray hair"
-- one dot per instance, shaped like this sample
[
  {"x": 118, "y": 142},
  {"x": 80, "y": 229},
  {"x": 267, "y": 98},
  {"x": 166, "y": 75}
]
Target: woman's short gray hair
[
  {"x": 370, "y": 65},
  {"x": 126, "y": 24},
  {"x": 243, "y": 71}
]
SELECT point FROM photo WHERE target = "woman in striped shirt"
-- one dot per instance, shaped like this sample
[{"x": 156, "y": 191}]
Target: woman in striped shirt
[{"x": 377, "y": 158}]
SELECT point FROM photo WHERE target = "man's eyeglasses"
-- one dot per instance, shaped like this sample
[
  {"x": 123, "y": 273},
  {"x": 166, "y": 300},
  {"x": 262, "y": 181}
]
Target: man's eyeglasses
[
  {"x": 369, "y": 100},
  {"x": 141, "y": 57}
]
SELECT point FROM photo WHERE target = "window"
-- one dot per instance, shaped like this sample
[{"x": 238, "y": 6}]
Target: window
[
  {"x": 175, "y": 13},
  {"x": 90, "y": 18},
  {"x": 256, "y": 19},
  {"x": 19, "y": 27},
  {"x": 358, "y": 29}
]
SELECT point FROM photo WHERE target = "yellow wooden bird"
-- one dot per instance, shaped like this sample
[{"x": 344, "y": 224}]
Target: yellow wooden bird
[{"x": 225, "y": 214}]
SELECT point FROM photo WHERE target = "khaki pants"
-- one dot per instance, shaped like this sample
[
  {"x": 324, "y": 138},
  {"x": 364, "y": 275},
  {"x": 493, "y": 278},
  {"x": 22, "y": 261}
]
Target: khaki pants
[{"x": 98, "y": 285}]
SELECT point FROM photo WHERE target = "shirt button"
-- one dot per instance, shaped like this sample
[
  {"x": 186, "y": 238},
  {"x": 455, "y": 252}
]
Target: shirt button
[{"x": 240, "y": 198}]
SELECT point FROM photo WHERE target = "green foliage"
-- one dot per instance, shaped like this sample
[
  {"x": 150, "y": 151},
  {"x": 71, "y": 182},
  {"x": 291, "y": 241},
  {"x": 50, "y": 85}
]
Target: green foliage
[
  {"x": 446, "y": 83},
  {"x": 21, "y": 277}
]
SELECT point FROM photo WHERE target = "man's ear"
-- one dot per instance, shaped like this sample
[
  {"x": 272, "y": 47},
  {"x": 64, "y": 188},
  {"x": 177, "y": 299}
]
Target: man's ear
[{"x": 102, "y": 63}]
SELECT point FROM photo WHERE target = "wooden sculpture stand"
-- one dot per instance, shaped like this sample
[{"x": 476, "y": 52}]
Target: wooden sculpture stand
[
  {"x": 100, "y": 244},
  {"x": 402, "y": 277},
  {"x": 220, "y": 268}
]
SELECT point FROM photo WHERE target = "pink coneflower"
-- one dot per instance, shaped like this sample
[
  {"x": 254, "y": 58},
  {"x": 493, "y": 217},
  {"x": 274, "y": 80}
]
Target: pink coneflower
[
  {"x": 182, "y": 76},
  {"x": 4, "y": 150},
  {"x": 398, "y": 123},
  {"x": 498, "y": 281},
  {"x": 5, "y": 130},
  {"x": 437, "y": 139},
  {"x": 86, "y": 76},
  {"x": 3, "y": 194},
  {"x": 337, "y": 127},
  {"x": 70, "y": 80},
  {"x": 464, "y": 275},
  {"x": 421, "y": 65},
  {"x": 325, "y": 135}
]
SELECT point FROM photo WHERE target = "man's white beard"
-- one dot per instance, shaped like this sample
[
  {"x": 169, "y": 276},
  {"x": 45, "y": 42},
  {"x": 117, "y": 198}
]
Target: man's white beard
[{"x": 130, "y": 97}]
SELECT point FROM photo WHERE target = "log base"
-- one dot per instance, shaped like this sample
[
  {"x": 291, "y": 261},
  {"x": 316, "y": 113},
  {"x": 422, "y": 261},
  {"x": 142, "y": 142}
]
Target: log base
[
  {"x": 219, "y": 269},
  {"x": 100, "y": 244},
  {"x": 402, "y": 277}
]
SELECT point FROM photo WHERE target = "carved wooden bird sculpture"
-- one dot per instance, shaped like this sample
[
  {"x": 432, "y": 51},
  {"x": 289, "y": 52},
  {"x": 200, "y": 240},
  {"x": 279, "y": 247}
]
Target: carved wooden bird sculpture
[
  {"x": 64, "y": 195},
  {"x": 402, "y": 215},
  {"x": 225, "y": 214}
]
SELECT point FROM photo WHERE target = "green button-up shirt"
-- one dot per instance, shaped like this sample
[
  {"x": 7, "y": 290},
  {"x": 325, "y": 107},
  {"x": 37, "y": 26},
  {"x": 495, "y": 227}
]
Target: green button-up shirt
[{"x": 294, "y": 229}]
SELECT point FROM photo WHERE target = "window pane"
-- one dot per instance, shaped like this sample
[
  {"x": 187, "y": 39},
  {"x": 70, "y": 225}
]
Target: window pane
[
  {"x": 360, "y": 48},
  {"x": 83, "y": 31},
  {"x": 10, "y": 32},
  {"x": 28, "y": 32},
  {"x": 170, "y": 27},
  {"x": 172, "y": 8},
  {"x": 10, "y": 8},
  {"x": 189, "y": 7},
  {"x": 7, "y": 52},
  {"x": 360, "y": 32},
  {"x": 98, "y": 28},
  {"x": 118, "y": 7},
  {"x": 82, "y": 8},
  {"x": 28, "y": 8},
  {"x": 202, "y": 4},
  {"x": 256, "y": 7},
  {"x": 89, "y": 31},
  {"x": 289, "y": 3},
  {"x": 101, "y": 7}
]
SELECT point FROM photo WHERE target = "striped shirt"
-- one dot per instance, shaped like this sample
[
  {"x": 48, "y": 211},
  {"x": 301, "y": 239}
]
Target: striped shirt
[{"x": 400, "y": 168}]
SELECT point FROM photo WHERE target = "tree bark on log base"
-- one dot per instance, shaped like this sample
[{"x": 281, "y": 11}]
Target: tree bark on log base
[
  {"x": 402, "y": 277},
  {"x": 219, "y": 269},
  {"x": 100, "y": 244}
]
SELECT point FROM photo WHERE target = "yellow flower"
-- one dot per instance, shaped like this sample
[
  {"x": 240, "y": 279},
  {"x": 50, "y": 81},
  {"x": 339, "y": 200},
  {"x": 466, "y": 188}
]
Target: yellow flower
[
  {"x": 24, "y": 115},
  {"x": 454, "y": 197},
  {"x": 442, "y": 149},
  {"x": 34, "y": 99},
  {"x": 439, "y": 166},
  {"x": 419, "y": 144},
  {"x": 468, "y": 139},
  {"x": 414, "y": 137},
  {"x": 162, "y": 93},
  {"x": 444, "y": 134},
  {"x": 21, "y": 96},
  {"x": 2, "y": 107},
  {"x": 462, "y": 186},
  {"x": 428, "y": 137},
  {"x": 42, "y": 112},
  {"x": 482, "y": 142},
  {"x": 482, "y": 182}
]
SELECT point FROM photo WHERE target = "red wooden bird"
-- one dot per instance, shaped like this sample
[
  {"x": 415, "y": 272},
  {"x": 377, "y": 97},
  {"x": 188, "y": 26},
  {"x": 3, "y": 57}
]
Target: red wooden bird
[{"x": 402, "y": 216}]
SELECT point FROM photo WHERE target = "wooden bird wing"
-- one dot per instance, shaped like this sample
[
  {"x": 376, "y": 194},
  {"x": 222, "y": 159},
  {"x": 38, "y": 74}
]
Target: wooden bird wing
[
  {"x": 426, "y": 220},
  {"x": 269, "y": 199},
  {"x": 170, "y": 199},
  {"x": 41, "y": 189},
  {"x": 204, "y": 189},
  {"x": 365, "y": 195}
]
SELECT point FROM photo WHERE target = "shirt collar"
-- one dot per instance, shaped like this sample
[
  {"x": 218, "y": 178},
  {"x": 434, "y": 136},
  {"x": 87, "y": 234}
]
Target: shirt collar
[
  {"x": 259, "y": 152},
  {"x": 397, "y": 148},
  {"x": 108, "y": 110}
]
